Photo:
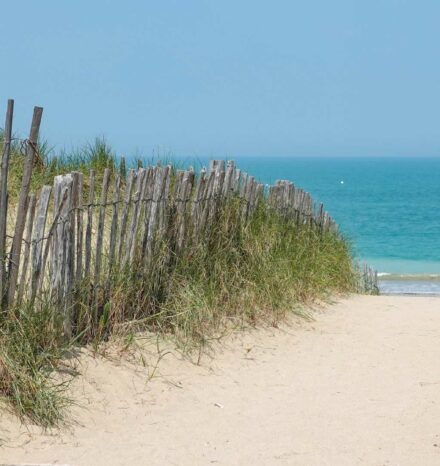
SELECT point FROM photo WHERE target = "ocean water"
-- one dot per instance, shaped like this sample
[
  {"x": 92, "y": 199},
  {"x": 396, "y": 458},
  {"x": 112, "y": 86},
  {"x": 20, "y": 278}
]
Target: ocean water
[{"x": 389, "y": 208}]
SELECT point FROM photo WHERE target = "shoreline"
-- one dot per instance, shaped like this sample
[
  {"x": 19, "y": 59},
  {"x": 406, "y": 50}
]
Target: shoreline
[
  {"x": 409, "y": 286},
  {"x": 408, "y": 276},
  {"x": 413, "y": 295}
]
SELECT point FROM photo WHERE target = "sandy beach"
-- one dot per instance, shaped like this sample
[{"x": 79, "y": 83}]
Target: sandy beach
[{"x": 358, "y": 385}]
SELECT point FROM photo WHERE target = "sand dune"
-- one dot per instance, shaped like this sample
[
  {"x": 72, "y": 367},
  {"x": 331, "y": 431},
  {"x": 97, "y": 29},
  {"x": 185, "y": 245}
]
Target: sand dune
[{"x": 359, "y": 385}]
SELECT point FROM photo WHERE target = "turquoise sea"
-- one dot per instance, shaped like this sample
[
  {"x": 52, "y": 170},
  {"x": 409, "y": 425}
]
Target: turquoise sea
[{"x": 389, "y": 208}]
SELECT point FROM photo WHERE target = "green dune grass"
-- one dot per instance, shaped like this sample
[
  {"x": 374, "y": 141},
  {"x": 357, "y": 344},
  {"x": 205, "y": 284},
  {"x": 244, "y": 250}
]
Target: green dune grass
[{"x": 236, "y": 277}]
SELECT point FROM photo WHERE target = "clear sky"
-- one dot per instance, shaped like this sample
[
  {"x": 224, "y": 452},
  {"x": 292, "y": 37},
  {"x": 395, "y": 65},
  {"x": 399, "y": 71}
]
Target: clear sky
[{"x": 228, "y": 77}]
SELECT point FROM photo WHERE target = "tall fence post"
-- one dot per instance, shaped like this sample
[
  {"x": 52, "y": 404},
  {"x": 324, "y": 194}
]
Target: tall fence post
[
  {"x": 7, "y": 137},
  {"x": 31, "y": 150},
  {"x": 27, "y": 246}
]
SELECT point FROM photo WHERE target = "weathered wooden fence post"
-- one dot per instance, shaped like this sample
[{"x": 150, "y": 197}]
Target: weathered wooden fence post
[
  {"x": 114, "y": 224},
  {"x": 130, "y": 239},
  {"x": 37, "y": 238},
  {"x": 100, "y": 231},
  {"x": 31, "y": 151},
  {"x": 88, "y": 241},
  {"x": 62, "y": 260},
  {"x": 7, "y": 137},
  {"x": 131, "y": 178},
  {"x": 78, "y": 205},
  {"x": 27, "y": 246},
  {"x": 154, "y": 220}
]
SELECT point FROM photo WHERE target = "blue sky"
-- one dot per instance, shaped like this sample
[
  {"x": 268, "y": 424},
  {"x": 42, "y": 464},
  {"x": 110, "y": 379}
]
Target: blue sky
[{"x": 227, "y": 78}]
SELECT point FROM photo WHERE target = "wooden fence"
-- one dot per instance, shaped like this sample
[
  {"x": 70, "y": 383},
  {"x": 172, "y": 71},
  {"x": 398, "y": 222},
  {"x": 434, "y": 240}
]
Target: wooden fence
[
  {"x": 367, "y": 279},
  {"x": 79, "y": 230}
]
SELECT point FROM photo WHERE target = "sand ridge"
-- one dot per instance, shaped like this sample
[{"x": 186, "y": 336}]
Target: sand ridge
[{"x": 359, "y": 385}]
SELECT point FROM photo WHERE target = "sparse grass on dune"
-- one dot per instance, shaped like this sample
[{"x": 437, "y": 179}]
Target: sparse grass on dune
[
  {"x": 32, "y": 352},
  {"x": 96, "y": 155},
  {"x": 236, "y": 275}
]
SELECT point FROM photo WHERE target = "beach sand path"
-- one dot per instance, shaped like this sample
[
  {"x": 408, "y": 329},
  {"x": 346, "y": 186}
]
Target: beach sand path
[{"x": 359, "y": 385}]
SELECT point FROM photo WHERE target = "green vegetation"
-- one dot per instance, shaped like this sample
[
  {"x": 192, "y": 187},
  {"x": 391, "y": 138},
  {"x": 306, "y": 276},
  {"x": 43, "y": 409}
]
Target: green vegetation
[
  {"x": 232, "y": 277},
  {"x": 31, "y": 356},
  {"x": 97, "y": 156}
]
